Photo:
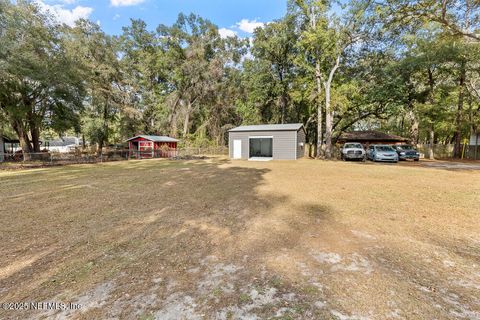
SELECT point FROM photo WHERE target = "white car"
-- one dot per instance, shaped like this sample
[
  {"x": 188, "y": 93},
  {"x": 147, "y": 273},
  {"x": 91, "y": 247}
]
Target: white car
[
  {"x": 381, "y": 152},
  {"x": 353, "y": 151}
]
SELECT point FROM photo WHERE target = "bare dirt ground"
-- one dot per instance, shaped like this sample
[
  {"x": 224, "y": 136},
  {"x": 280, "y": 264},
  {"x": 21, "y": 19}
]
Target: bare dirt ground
[{"x": 216, "y": 239}]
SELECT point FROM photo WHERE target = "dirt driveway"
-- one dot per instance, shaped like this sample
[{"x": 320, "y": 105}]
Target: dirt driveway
[
  {"x": 450, "y": 165},
  {"x": 217, "y": 239}
]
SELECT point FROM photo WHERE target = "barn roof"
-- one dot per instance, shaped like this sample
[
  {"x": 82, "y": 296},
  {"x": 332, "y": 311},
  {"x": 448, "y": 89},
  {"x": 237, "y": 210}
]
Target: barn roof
[
  {"x": 370, "y": 135},
  {"x": 269, "y": 127},
  {"x": 155, "y": 138}
]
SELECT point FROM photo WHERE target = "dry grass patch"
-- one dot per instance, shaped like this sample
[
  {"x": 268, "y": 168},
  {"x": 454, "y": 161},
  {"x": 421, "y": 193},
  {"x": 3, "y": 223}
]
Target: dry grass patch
[{"x": 230, "y": 240}]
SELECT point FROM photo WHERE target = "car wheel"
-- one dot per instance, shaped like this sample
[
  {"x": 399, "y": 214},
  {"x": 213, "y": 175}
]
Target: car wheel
[{"x": 416, "y": 159}]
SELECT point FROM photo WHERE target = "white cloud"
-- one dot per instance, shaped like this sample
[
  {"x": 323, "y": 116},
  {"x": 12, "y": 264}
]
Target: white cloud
[
  {"x": 125, "y": 3},
  {"x": 65, "y": 15},
  {"x": 225, "y": 33},
  {"x": 116, "y": 17},
  {"x": 249, "y": 26}
]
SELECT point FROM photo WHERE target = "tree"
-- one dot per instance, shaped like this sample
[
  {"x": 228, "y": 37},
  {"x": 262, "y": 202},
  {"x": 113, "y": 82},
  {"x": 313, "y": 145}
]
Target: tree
[
  {"x": 144, "y": 79},
  {"x": 97, "y": 53},
  {"x": 274, "y": 49},
  {"x": 457, "y": 17},
  {"x": 39, "y": 83},
  {"x": 199, "y": 61},
  {"x": 326, "y": 40},
  {"x": 459, "y": 23}
]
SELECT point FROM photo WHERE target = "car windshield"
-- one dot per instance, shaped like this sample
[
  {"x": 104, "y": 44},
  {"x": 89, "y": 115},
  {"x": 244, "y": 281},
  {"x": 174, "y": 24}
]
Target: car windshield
[
  {"x": 353, "y": 145},
  {"x": 384, "y": 148}
]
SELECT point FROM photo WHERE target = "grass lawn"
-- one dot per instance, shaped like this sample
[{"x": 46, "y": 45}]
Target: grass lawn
[{"x": 220, "y": 239}]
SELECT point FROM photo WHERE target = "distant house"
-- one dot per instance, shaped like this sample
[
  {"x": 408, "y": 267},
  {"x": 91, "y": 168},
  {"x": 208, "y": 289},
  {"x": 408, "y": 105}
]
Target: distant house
[
  {"x": 145, "y": 146},
  {"x": 63, "y": 144},
  {"x": 371, "y": 137},
  {"x": 475, "y": 139},
  {"x": 10, "y": 145},
  {"x": 267, "y": 142}
]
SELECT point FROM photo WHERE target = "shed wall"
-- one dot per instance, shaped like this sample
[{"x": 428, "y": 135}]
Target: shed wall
[
  {"x": 300, "y": 143},
  {"x": 284, "y": 143}
]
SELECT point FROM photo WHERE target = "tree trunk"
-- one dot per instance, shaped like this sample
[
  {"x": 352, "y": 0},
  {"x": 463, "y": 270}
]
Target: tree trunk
[
  {"x": 2, "y": 149},
  {"x": 173, "y": 126},
  {"x": 415, "y": 126},
  {"x": 35, "y": 134},
  {"x": 25, "y": 145},
  {"x": 283, "y": 107},
  {"x": 431, "y": 95},
  {"x": 172, "y": 119},
  {"x": 186, "y": 123},
  {"x": 457, "y": 148},
  {"x": 319, "y": 112},
  {"x": 318, "y": 78},
  {"x": 431, "y": 155},
  {"x": 328, "y": 123},
  {"x": 329, "y": 111},
  {"x": 104, "y": 136},
  {"x": 33, "y": 125}
]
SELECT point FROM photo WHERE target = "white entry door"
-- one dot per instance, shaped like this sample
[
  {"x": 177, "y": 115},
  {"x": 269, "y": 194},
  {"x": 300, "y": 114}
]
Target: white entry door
[{"x": 237, "y": 149}]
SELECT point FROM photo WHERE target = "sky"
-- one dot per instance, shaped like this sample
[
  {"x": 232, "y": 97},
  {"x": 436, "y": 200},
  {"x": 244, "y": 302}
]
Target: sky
[{"x": 233, "y": 17}]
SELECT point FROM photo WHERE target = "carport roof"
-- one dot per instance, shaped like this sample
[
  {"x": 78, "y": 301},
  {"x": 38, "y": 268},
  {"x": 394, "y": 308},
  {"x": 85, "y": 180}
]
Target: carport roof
[{"x": 269, "y": 127}]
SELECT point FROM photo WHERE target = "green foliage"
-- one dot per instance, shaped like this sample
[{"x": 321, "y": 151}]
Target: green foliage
[
  {"x": 334, "y": 67},
  {"x": 39, "y": 84}
]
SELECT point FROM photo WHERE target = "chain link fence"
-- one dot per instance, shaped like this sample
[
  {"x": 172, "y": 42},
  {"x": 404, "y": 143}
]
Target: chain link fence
[
  {"x": 79, "y": 156},
  {"x": 445, "y": 151}
]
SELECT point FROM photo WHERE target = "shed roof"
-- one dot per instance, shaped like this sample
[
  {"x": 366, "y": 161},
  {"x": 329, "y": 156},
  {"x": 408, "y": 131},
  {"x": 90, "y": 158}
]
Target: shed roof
[
  {"x": 9, "y": 140},
  {"x": 269, "y": 127},
  {"x": 155, "y": 138},
  {"x": 370, "y": 135}
]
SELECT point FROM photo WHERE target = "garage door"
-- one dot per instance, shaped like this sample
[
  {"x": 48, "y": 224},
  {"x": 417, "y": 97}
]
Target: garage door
[{"x": 261, "y": 147}]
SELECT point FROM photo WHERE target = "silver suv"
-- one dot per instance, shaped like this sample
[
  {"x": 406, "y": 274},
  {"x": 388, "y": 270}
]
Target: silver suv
[{"x": 353, "y": 151}]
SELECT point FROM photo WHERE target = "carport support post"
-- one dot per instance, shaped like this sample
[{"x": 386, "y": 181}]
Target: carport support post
[{"x": 2, "y": 148}]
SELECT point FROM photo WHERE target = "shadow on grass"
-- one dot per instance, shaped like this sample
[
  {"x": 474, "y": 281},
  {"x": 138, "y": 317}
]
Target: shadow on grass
[{"x": 130, "y": 222}]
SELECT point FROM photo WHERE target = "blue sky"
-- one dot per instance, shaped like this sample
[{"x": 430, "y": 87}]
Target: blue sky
[{"x": 231, "y": 16}]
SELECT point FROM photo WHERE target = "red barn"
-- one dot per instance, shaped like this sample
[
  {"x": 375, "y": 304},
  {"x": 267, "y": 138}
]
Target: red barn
[{"x": 144, "y": 146}]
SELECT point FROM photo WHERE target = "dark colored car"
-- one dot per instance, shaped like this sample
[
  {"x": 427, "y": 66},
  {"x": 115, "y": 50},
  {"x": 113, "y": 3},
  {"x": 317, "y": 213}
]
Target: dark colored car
[{"x": 406, "y": 152}]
